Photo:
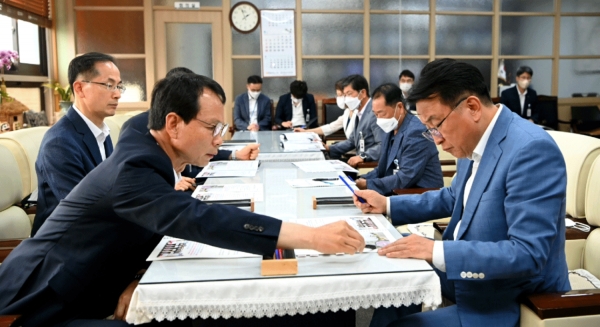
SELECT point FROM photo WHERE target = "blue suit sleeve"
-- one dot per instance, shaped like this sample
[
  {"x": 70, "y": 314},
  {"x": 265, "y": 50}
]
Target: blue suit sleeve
[
  {"x": 240, "y": 123},
  {"x": 373, "y": 151},
  {"x": 265, "y": 121},
  {"x": 280, "y": 111}
]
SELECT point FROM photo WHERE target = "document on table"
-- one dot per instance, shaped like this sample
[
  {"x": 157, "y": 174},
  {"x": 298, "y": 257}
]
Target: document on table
[
  {"x": 373, "y": 231},
  {"x": 309, "y": 182},
  {"x": 340, "y": 165},
  {"x": 315, "y": 166},
  {"x": 231, "y": 147},
  {"x": 218, "y": 192},
  {"x": 307, "y": 137},
  {"x": 302, "y": 147},
  {"x": 246, "y": 168},
  {"x": 290, "y": 157},
  {"x": 170, "y": 248}
]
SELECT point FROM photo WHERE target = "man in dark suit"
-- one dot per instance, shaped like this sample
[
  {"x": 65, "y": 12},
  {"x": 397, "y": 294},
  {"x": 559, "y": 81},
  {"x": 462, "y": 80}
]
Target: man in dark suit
[
  {"x": 297, "y": 108},
  {"x": 252, "y": 110},
  {"x": 366, "y": 137},
  {"x": 407, "y": 159},
  {"x": 521, "y": 98},
  {"x": 80, "y": 141},
  {"x": 96, "y": 242},
  {"x": 506, "y": 235}
]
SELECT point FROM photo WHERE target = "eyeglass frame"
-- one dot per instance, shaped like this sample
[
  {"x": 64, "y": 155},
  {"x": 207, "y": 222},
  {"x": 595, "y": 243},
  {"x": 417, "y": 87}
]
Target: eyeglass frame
[
  {"x": 430, "y": 133},
  {"x": 109, "y": 87},
  {"x": 215, "y": 127}
]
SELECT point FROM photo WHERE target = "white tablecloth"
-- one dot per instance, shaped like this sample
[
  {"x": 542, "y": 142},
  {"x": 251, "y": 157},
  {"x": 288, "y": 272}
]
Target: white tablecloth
[{"x": 269, "y": 297}]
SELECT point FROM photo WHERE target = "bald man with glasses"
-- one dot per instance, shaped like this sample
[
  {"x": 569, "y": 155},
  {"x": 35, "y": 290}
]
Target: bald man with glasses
[{"x": 80, "y": 140}]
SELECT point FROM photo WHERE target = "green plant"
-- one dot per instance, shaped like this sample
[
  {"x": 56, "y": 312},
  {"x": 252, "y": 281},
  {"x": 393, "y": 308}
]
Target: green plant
[{"x": 64, "y": 92}]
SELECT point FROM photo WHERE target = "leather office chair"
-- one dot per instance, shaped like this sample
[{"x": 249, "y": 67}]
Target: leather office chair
[
  {"x": 580, "y": 307},
  {"x": 329, "y": 113},
  {"x": 586, "y": 120},
  {"x": 14, "y": 222}
]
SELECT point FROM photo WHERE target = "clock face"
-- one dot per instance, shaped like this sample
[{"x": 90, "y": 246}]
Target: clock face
[{"x": 244, "y": 17}]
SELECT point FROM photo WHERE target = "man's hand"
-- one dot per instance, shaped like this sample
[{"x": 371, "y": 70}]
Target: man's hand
[
  {"x": 355, "y": 161},
  {"x": 326, "y": 146},
  {"x": 253, "y": 127},
  {"x": 186, "y": 183},
  {"x": 338, "y": 237},
  {"x": 412, "y": 246},
  {"x": 249, "y": 152},
  {"x": 299, "y": 129},
  {"x": 361, "y": 183},
  {"x": 124, "y": 300},
  {"x": 287, "y": 124},
  {"x": 375, "y": 202}
]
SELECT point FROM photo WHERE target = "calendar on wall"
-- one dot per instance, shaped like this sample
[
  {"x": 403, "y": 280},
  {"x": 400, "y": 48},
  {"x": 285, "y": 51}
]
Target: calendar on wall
[{"x": 278, "y": 44}]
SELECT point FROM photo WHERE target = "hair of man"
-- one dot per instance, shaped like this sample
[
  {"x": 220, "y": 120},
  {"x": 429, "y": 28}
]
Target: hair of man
[
  {"x": 254, "y": 79},
  {"x": 524, "y": 69},
  {"x": 406, "y": 73},
  {"x": 85, "y": 65},
  {"x": 298, "y": 89},
  {"x": 357, "y": 83},
  {"x": 391, "y": 93},
  {"x": 179, "y": 70},
  {"x": 180, "y": 94}
]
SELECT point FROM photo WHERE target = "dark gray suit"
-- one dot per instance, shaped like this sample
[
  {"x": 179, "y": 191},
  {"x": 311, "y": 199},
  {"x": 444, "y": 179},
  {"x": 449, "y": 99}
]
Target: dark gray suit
[{"x": 241, "y": 112}]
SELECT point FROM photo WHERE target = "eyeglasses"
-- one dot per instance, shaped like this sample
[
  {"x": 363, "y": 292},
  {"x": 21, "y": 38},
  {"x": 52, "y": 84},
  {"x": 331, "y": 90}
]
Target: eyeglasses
[
  {"x": 430, "y": 133},
  {"x": 218, "y": 128},
  {"x": 110, "y": 87}
]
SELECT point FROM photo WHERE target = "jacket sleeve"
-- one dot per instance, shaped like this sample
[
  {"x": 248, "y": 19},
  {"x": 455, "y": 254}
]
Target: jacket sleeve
[
  {"x": 280, "y": 111},
  {"x": 535, "y": 113},
  {"x": 312, "y": 107},
  {"x": 372, "y": 152},
  {"x": 265, "y": 121},
  {"x": 240, "y": 123},
  {"x": 336, "y": 150}
]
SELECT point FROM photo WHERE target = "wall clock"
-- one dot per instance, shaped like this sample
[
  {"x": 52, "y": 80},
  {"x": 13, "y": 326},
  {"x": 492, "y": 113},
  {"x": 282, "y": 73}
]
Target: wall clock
[{"x": 244, "y": 17}]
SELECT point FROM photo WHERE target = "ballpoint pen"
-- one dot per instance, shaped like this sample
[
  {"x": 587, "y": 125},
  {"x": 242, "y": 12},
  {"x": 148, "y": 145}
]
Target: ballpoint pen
[
  {"x": 325, "y": 179},
  {"x": 352, "y": 189}
]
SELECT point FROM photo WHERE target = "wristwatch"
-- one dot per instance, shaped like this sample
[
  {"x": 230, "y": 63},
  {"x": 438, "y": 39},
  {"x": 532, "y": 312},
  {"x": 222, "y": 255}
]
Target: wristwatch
[{"x": 363, "y": 156}]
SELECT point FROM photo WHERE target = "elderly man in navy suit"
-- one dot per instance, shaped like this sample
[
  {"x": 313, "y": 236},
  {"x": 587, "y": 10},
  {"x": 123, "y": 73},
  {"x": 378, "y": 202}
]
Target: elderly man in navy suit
[
  {"x": 252, "y": 110},
  {"x": 407, "y": 159},
  {"x": 80, "y": 141},
  {"x": 84, "y": 263},
  {"x": 506, "y": 236},
  {"x": 522, "y": 99}
]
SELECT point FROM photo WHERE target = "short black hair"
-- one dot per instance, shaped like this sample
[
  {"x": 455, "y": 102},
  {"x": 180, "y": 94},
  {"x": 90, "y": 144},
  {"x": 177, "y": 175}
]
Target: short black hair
[
  {"x": 298, "y": 89},
  {"x": 85, "y": 65},
  {"x": 179, "y": 70},
  {"x": 524, "y": 69},
  {"x": 449, "y": 80},
  {"x": 179, "y": 93},
  {"x": 254, "y": 79},
  {"x": 339, "y": 85},
  {"x": 357, "y": 82},
  {"x": 406, "y": 73},
  {"x": 391, "y": 93}
]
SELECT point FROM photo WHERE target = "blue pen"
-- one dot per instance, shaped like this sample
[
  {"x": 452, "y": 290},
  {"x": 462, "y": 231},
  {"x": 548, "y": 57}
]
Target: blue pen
[{"x": 361, "y": 200}]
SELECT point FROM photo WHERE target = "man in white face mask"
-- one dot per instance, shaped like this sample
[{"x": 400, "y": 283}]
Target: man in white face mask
[
  {"x": 521, "y": 98},
  {"x": 366, "y": 137},
  {"x": 252, "y": 109},
  {"x": 407, "y": 159}
]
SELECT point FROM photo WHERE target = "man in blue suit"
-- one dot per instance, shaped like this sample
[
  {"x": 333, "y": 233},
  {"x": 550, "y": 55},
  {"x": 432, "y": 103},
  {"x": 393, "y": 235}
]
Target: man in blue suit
[
  {"x": 297, "y": 108},
  {"x": 80, "y": 141},
  {"x": 407, "y": 159},
  {"x": 506, "y": 236},
  {"x": 84, "y": 263},
  {"x": 252, "y": 110},
  {"x": 522, "y": 99},
  {"x": 366, "y": 137}
]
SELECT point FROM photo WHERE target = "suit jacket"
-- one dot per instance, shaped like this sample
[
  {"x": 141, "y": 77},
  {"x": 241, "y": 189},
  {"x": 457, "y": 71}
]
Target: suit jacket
[
  {"x": 371, "y": 132},
  {"x": 284, "y": 110},
  {"x": 69, "y": 151},
  {"x": 100, "y": 235},
  {"x": 510, "y": 98},
  {"x": 512, "y": 231},
  {"x": 241, "y": 112},
  {"x": 416, "y": 156}
]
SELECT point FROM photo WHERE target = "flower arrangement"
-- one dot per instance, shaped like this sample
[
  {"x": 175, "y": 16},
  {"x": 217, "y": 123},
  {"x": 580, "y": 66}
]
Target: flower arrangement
[{"x": 7, "y": 59}]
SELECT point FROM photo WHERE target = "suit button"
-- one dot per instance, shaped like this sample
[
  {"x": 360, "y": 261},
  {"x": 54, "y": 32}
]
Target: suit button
[
  {"x": 481, "y": 275},
  {"x": 261, "y": 229},
  {"x": 463, "y": 274},
  {"x": 475, "y": 275},
  {"x": 469, "y": 274},
  {"x": 247, "y": 226}
]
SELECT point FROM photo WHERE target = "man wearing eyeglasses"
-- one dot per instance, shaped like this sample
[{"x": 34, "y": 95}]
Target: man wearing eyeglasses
[
  {"x": 79, "y": 141},
  {"x": 85, "y": 261},
  {"x": 506, "y": 236}
]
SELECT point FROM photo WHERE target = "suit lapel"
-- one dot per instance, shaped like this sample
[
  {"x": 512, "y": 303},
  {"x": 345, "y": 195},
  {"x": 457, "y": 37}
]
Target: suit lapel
[
  {"x": 488, "y": 164},
  {"x": 88, "y": 138},
  {"x": 464, "y": 167},
  {"x": 397, "y": 140},
  {"x": 108, "y": 146}
]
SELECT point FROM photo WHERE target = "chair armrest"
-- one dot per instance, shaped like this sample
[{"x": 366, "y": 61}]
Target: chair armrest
[
  {"x": 369, "y": 164},
  {"x": 401, "y": 191},
  {"x": 575, "y": 234},
  {"x": 440, "y": 227},
  {"x": 564, "y": 304},
  {"x": 7, "y": 321},
  {"x": 6, "y": 246}
]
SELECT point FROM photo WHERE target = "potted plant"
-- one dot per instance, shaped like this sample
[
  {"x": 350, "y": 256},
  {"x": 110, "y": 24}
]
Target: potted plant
[{"x": 65, "y": 94}]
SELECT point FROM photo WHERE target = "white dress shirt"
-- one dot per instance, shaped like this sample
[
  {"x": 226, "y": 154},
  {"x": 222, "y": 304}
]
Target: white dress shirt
[
  {"x": 99, "y": 134},
  {"x": 438, "y": 259},
  {"x": 297, "y": 113},
  {"x": 252, "y": 110},
  {"x": 522, "y": 100},
  {"x": 341, "y": 122}
]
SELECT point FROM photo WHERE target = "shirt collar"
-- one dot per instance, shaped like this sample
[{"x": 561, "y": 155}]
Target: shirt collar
[
  {"x": 521, "y": 94},
  {"x": 105, "y": 131},
  {"x": 480, "y": 148},
  {"x": 360, "y": 112}
]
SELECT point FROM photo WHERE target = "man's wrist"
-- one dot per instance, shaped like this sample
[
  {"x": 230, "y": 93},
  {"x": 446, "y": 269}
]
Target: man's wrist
[{"x": 233, "y": 154}]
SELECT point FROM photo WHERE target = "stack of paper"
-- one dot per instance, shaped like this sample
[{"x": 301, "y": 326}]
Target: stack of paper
[
  {"x": 308, "y": 137},
  {"x": 302, "y": 147},
  {"x": 340, "y": 165},
  {"x": 315, "y": 166},
  {"x": 229, "y": 169},
  {"x": 290, "y": 157},
  {"x": 309, "y": 182},
  {"x": 218, "y": 192},
  {"x": 175, "y": 248}
]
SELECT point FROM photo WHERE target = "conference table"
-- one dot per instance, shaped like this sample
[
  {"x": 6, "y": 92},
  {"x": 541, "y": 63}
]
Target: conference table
[{"x": 234, "y": 287}]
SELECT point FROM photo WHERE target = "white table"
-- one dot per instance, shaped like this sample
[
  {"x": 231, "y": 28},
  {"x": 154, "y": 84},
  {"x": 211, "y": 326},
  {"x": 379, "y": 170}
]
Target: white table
[{"x": 225, "y": 288}]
